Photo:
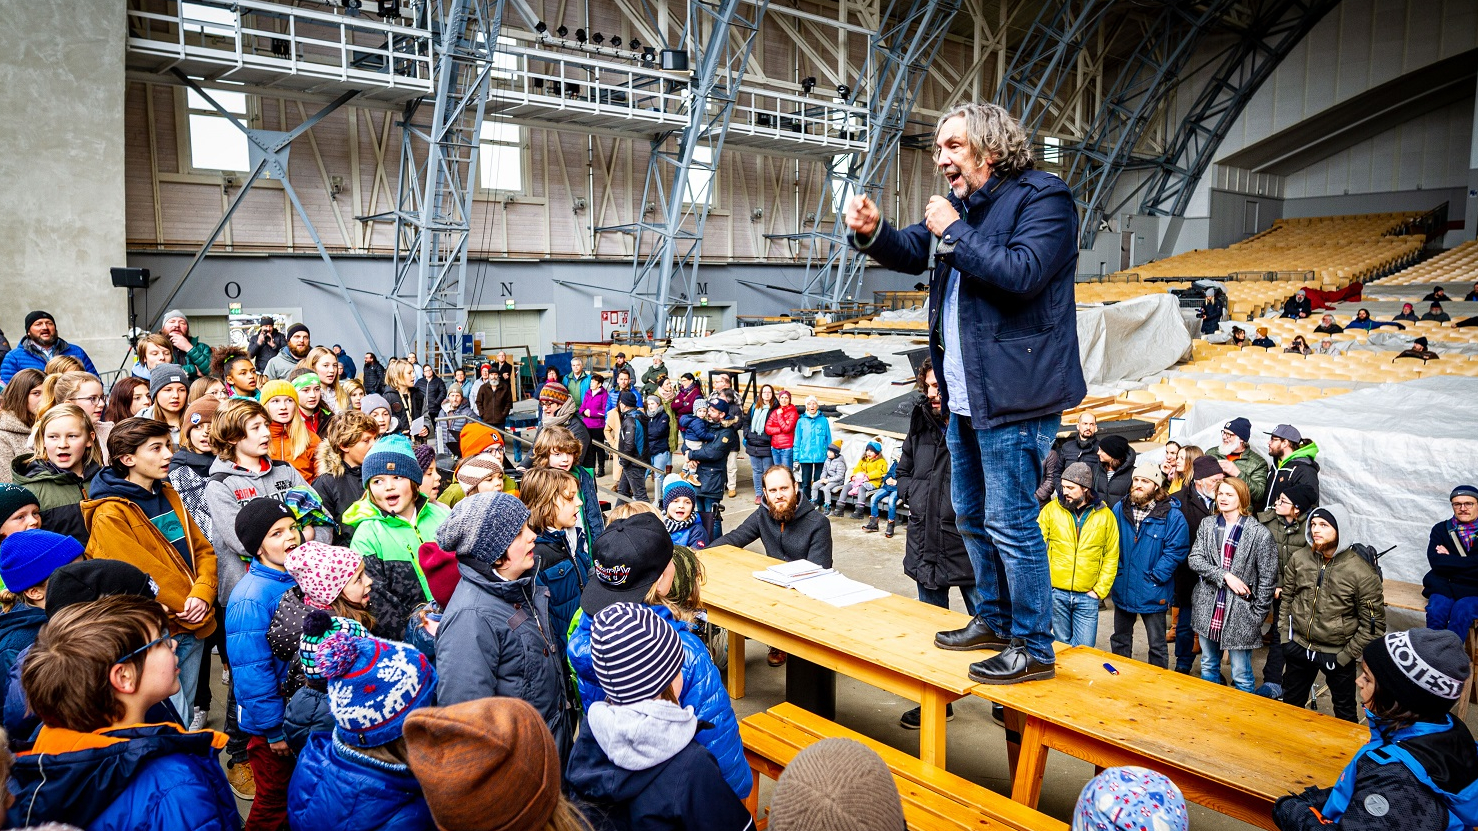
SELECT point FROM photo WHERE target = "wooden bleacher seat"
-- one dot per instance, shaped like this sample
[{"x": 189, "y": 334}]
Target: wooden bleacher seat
[{"x": 933, "y": 798}]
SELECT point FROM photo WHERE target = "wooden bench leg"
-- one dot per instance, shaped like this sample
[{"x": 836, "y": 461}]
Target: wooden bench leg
[
  {"x": 1031, "y": 764},
  {"x": 1015, "y": 723},
  {"x": 752, "y": 802},
  {"x": 736, "y": 665},
  {"x": 932, "y": 727}
]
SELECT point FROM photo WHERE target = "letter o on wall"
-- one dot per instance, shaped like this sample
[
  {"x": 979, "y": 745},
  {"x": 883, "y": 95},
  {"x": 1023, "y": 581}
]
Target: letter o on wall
[{"x": 233, "y": 290}]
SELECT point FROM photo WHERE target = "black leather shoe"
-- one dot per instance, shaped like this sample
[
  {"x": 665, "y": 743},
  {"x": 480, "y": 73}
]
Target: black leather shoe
[
  {"x": 1012, "y": 666},
  {"x": 976, "y": 635}
]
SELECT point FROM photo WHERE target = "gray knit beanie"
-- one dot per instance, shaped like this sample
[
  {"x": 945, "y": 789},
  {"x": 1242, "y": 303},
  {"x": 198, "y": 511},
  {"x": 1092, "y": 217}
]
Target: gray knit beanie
[
  {"x": 164, "y": 375},
  {"x": 1079, "y": 474},
  {"x": 483, "y": 525},
  {"x": 836, "y": 785}
]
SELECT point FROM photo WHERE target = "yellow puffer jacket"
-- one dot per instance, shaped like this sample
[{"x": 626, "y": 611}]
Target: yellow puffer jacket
[
  {"x": 1081, "y": 560},
  {"x": 875, "y": 470}
]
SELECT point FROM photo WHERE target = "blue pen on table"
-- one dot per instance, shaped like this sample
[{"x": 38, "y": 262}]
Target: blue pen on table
[{"x": 1110, "y": 668}]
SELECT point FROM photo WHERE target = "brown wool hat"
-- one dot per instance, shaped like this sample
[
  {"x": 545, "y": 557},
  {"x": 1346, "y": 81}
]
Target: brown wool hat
[
  {"x": 836, "y": 785},
  {"x": 485, "y": 765},
  {"x": 203, "y": 411}
]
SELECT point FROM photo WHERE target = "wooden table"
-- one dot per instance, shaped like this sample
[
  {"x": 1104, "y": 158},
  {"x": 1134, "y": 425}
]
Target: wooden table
[
  {"x": 888, "y": 643},
  {"x": 1233, "y": 752}
]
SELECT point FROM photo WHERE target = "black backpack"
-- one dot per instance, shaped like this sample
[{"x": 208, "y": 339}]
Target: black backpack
[{"x": 1371, "y": 556}]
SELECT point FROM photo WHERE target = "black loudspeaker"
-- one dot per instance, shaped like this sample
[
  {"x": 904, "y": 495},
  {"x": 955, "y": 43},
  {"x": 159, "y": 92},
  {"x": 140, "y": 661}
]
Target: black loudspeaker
[
  {"x": 675, "y": 60},
  {"x": 130, "y": 278}
]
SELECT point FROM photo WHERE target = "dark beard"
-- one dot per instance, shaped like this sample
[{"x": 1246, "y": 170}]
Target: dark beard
[
  {"x": 786, "y": 512},
  {"x": 1075, "y": 504},
  {"x": 45, "y": 344}
]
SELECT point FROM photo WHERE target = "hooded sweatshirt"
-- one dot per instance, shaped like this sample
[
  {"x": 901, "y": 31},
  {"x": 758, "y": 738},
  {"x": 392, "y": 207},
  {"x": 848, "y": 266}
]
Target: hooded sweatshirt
[
  {"x": 188, "y": 473},
  {"x": 230, "y": 487},
  {"x": 638, "y": 767},
  {"x": 1298, "y": 466}
]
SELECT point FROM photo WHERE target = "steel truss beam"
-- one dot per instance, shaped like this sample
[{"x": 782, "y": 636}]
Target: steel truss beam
[
  {"x": 723, "y": 35},
  {"x": 438, "y": 174},
  {"x": 1047, "y": 59},
  {"x": 1272, "y": 29},
  {"x": 899, "y": 55},
  {"x": 1145, "y": 81},
  {"x": 269, "y": 150}
]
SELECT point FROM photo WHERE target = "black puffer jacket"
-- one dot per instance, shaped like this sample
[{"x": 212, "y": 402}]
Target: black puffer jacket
[
  {"x": 807, "y": 536},
  {"x": 374, "y": 378},
  {"x": 712, "y": 461},
  {"x": 935, "y": 555},
  {"x": 339, "y": 486},
  {"x": 1115, "y": 489}
]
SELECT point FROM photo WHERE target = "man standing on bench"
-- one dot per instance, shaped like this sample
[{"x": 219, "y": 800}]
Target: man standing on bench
[{"x": 1003, "y": 328}]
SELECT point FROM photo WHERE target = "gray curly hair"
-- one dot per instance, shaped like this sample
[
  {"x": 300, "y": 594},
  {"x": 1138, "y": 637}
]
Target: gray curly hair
[{"x": 995, "y": 137}]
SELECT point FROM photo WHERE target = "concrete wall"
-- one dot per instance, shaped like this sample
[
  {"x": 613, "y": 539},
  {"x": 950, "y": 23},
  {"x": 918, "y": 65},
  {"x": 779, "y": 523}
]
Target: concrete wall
[
  {"x": 61, "y": 159},
  {"x": 1233, "y": 221},
  {"x": 564, "y": 291}
]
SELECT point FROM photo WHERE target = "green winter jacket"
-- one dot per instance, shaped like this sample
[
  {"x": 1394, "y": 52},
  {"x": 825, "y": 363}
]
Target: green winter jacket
[
  {"x": 1254, "y": 469},
  {"x": 389, "y": 545},
  {"x": 1335, "y": 605},
  {"x": 1290, "y": 538},
  {"x": 196, "y": 362},
  {"x": 59, "y": 493}
]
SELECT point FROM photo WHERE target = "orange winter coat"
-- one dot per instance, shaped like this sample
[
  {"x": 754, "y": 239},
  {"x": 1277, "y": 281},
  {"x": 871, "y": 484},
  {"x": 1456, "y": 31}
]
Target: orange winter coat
[{"x": 306, "y": 462}]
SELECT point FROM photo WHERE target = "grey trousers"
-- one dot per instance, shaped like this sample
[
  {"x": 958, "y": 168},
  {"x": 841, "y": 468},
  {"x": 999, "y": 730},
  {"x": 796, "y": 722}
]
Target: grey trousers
[{"x": 825, "y": 493}]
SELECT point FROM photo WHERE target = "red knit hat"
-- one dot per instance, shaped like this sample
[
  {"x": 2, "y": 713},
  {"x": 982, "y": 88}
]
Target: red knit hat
[{"x": 440, "y": 568}]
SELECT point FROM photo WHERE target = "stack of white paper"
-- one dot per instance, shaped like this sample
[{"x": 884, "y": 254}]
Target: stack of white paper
[{"x": 824, "y": 584}]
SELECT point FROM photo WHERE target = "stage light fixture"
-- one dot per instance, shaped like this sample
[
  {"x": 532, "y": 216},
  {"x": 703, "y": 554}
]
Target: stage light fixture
[
  {"x": 541, "y": 27},
  {"x": 615, "y": 41},
  {"x": 648, "y": 54},
  {"x": 597, "y": 38},
  {"x": 807, "y": 84},
  {"x": 580, "y": 35},
  {"x": 634, "y": 45},
  {"x": 844, "y": 91},
  {"x": 563, "y": 31}
]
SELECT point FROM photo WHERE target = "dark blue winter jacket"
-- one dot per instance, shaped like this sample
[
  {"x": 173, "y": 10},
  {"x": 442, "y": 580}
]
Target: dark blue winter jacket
[
  {"x": 695, "y": 536},
  {"x": 28, "y": 355},
  {"x": 1016, "y": 248},
  {"x": 256, "y": 674},
  {"x": 21, "y": 724},
  {"x": 151, "y": 777},
  {"x": 564, "y": 573},
  {"x": 1149, "y": 556},
  {"x": 307, "y": 713},
  {"x": 18, "y": 631},
  {"x": 703, "y": 690},
  {"x": 335, "y": 786}
]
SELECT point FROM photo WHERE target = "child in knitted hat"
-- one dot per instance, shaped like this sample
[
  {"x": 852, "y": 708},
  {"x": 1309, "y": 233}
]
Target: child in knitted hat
[
  {"x": 358, "y": 776},
  {"x": 308, "y": 710},
  {"x": 377, "y": 407},
  {"x": 638, "y": 757},
  {"x": 390, "y": 523},
  {"x": 189, "y": 468},
  {"x": 495, "y": 637},
  {"x": 27, "y": 560},
  {"x": 328, "y": 578},
  {"x": 680, "y": 502},
  {"x": 430, "y": 486},
  {"x": 19, "y": 510},
  {"x": 826, "y": 491},
  {"x": 1419, "y": 772},
  {"x": 836, "y": 785},
  {"x": 292, "y": 441},
  {"x": 489, "y": 764},
  {"x": 1130, "y": 799},
  {"x": 635, "y": 562},
  {"x": 867, "y": 477}
]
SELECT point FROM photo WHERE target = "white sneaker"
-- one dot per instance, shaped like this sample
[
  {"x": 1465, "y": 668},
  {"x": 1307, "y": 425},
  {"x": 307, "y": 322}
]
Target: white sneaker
[{"x": 198, "y": 721}]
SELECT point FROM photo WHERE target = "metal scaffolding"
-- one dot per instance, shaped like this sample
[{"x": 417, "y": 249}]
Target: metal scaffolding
[
  {"x": 1047, "y": 58},
  {"x": 666, "y": 273},
  {"x": 899, "y": 55},
  {"x": 438, "y": 174}
]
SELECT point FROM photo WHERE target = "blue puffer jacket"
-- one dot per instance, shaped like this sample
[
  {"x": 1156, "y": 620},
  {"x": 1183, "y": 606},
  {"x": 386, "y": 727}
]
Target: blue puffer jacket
[
  {"x": 695, "y": 536},
  {"x": 333, "y": 786},
  {"x": 27, "y": 355},
  {"x": 812, "y": 437},
  {"x": 703, "y": 690},
  {"x": 307, "y": 714},
  {"x": 1148, "y": 557},
  {"x": 256, "y": 674},
  {"x": 17, "y": 632},
  {"x": 151, "y": 777},
  {"x": 1016, "y": 248},
  {"x": 565, "y": 575}
]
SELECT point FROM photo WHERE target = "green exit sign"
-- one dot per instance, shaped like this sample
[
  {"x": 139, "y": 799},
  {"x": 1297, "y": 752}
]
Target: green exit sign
[{"x": 234, "y": 308}]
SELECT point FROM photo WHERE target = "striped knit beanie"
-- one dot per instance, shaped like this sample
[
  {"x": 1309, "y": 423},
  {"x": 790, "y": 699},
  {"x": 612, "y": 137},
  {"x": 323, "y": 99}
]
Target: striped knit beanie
[
  {"x": 318, "y": 627},
  {"x": 636, "y": 653}
]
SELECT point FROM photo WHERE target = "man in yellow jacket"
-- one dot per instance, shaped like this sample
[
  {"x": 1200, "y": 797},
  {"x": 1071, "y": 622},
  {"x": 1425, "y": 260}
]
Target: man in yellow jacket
[{"x": 1083, "y": 552}]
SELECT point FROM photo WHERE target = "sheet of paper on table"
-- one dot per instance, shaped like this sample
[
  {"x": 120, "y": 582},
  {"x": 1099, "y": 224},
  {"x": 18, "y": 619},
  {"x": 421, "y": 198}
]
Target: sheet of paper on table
[{"x": 824, "y": 584}]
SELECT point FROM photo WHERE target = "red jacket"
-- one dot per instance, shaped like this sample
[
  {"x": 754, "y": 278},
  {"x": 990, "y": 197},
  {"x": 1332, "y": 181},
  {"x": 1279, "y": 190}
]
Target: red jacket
[{"x": 780, "y": 426}]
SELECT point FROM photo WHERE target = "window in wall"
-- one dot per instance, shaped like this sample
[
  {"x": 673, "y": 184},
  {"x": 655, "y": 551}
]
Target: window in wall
[
  {"x": 700, "y": 184},
  {"x": 215, "y": 143},
  {"x": 500, "y": 157}
]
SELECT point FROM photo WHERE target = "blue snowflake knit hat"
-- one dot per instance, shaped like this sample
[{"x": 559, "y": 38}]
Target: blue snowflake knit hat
[
  {"x": 372, "y": 685},
  {"x": 1130, "y": 799}
]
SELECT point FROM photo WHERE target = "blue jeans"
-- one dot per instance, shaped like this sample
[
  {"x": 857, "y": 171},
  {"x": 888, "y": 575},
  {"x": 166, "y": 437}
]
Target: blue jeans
[
  {"x": 1241, "y": 659},
  {"x": 1074, "y": 618},
  {"x": 660, "y": 461},
  {"x": 1455, "y": 615},
  {"x": 890, "y": 493},
  {"x": 187, "y": 653},
  {"x": 783, "y": 458},
  {"x": 993, "y": 488},
  {"x": 1185, "y": 639},
  {"x": 940, "y": 597},
  {"x": 758, "y": 465}
]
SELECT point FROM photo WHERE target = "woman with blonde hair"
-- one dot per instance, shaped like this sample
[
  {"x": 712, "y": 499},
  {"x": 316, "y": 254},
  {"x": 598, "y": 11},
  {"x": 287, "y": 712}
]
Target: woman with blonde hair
[
  {"x": 64, "y": 363},
  {"x": 325, "y": 364},
  {"x": 64, "y": 456},
  {"x": 399, "y": 378},
  {"x": 292, "y": 441},
  {"x": 84, "y": 390},
  {"x": 1185, "y": 477}
]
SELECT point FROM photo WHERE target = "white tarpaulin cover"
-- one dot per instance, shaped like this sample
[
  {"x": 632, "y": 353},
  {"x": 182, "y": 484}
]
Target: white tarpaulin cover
[
  {"x": 1389, "y": 454},
  {"x": 1130, "y": 340}
]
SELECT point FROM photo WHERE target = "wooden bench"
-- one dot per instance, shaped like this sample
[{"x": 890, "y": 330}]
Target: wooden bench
[{"x": 933, "y": 798}]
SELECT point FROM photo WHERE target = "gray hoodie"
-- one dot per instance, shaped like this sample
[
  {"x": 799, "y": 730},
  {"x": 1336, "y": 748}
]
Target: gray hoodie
[
  {"x": 231, "y": 486},
  {"x": 641, "y": 735}
]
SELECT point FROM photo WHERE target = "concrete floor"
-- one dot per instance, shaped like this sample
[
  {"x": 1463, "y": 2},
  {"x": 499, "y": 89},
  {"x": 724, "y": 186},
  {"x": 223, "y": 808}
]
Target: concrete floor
[{"x": 976, "y": 742}]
